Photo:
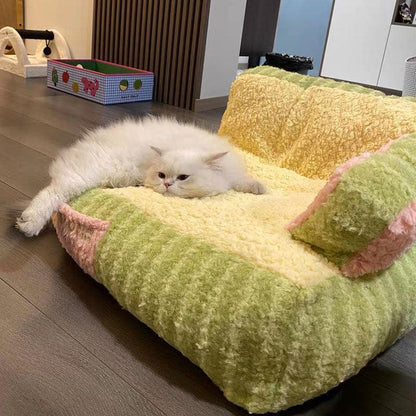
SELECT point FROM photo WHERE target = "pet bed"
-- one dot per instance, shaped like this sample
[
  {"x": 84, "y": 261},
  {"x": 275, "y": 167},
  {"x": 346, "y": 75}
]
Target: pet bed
[{"x": 269, "y": 320}]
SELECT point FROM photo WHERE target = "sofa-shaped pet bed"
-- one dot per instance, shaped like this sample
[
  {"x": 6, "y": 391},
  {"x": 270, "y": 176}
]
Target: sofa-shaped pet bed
[{"x": 269, "y": 319}]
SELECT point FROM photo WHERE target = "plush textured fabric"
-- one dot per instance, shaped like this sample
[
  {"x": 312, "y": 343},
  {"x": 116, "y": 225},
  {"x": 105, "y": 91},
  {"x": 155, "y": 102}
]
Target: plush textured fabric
[
  {"x": 247, "y": 225},
  {"x": 311, "y": 130},
  {"x": 367, "y": 219},
  {"x": 305, "y": 81},
  {"x": 380, "y": 253},
  {"x": 329, "y": 187},
  {"x": 267, "y": 342},
  {"x": 269, "y": 320}
]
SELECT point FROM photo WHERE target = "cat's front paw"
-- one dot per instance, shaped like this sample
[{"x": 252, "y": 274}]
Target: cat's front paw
[
  {"x": 251, "y": 186},
  {"x": 29, "y": 225},
  {"x": 257, "y": 188}
]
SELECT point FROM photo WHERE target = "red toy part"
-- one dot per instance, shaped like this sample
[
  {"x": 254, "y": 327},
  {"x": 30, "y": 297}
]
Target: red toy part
[
  {"x": 65, "y": 76},
  {"x": 91, "y": 86}
]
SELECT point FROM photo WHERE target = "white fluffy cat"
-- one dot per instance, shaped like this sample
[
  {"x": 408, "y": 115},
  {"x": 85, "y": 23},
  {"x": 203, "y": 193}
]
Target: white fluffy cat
[{"x": 162, "y": 154}]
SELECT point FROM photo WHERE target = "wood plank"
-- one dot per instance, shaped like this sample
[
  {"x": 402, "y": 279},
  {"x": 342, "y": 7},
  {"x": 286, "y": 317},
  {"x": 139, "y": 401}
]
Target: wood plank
[
  {"x": 42, "y": 271},
  {"x": 22, "y": 167},
  {"x": 43, "y": 370},
  {"x": 74, "y": 115},
  {"x": 8, "y": 13},
  {"x": 20, "y": 14},
  {"x": 396, "y": 368},
  {"x": 33, "y": 133},
  {"x": 355, "y": 397},
  {"x": 206, "y": 104}
]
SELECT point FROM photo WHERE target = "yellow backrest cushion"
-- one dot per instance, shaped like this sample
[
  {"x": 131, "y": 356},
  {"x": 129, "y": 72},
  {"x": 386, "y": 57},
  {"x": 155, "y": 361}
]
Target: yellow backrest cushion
[{"x": 310, "y": 131}]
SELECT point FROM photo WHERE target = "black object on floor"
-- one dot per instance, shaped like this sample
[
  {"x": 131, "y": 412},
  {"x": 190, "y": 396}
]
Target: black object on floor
[{"x": 292, "y": 63}]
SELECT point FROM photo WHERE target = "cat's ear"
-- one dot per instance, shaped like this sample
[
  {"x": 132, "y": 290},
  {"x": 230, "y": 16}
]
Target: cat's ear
[
  {"x": 211, "y": 160},
  {"x": 156, "y": 150}
]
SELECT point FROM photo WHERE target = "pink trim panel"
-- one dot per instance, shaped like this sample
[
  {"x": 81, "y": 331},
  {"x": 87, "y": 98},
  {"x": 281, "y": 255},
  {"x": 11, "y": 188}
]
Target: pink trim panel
[
  {"x": 390, "y": 245},
  {"x": 137, "y": 71},
  {"x": 123, "y": 66},
  {"x": 79, "y": 235}
]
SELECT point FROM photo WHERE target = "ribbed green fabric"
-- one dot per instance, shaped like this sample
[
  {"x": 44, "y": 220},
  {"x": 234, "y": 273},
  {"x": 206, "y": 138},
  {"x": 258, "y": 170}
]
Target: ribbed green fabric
[
  {"x": 265, "y": 342},
  {"x": 365, "y": 202}
]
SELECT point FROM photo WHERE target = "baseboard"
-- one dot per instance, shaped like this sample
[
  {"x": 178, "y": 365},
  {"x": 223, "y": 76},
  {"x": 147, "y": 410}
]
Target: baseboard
[{"x": 205, "y": 104}]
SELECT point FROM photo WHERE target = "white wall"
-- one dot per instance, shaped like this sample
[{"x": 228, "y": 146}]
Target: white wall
[
  {"x": 400, "y": 46},
  {"x": 225, "y": 28},
  {"x": 357, "y": 40},
  {"x": 73, "y": 18}
]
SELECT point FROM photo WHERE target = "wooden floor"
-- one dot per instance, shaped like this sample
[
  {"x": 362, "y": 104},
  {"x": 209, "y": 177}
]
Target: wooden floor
[{"x": 66, "y": 347}]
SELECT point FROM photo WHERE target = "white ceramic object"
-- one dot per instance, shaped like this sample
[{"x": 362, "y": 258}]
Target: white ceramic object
[{"x": 23, "y": 64}]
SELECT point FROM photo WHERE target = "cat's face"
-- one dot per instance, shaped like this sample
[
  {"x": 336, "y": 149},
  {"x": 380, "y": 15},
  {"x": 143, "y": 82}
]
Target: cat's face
[{"x": 184, "y": 174}]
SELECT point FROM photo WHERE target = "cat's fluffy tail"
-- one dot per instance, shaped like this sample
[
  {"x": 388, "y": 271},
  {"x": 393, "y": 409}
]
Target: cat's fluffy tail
[{"x": 38, "y": 213}]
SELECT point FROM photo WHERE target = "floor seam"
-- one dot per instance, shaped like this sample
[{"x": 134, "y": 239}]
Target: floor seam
[{"x": 82, "y": 345}]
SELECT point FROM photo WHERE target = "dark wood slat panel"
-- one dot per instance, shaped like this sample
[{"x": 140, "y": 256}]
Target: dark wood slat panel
[
  {"x": 160, "y": 84},
  {"x": 158, "y": 45},
  {"x": 194, "y": 47},
  {"x": 133, "y": 19},
  {"x": 98, "y": 29},
  {"x": 143, "y": 34},
  {"x": 104, "y": 26},
  {"x": 108, "y": 12},
  {"x": 200, "y": 52},
  {"x": 160, "y": 36},
  {"x": 123, "y": 34},
  {"x": 114, "y": 22},
  {"x": 175, "y": 52},
  {"x": 118, "y": 43},
  {"x": 182, "y": 55},
  {"x": 188, "y": 57},
  {"x": 148, "y": 33},
  {"x": 96, "y": 23},
  {"x": 169, "y": 51},
  {"x": 153, "y": 34},
  {"x": 127, "y": 31},
  {"x": 136, "y": 37}
]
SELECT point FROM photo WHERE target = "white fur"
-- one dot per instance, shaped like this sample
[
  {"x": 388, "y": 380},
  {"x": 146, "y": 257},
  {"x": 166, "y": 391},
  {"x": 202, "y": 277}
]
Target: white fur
[{"x": 131, "y": 153}]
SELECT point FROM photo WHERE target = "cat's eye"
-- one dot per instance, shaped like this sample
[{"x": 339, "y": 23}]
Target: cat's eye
[
  {"x": 161, "y": 175},
  {"x": 182, "y": 177}
]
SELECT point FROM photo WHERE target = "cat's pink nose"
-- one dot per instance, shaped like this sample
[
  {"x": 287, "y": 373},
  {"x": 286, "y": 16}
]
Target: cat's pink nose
[{"x": 167, "y": 184}]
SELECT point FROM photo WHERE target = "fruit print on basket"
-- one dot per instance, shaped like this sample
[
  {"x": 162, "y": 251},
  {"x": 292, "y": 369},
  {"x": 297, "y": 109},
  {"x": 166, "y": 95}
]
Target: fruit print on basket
[{"x": 100, "y": 81}]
